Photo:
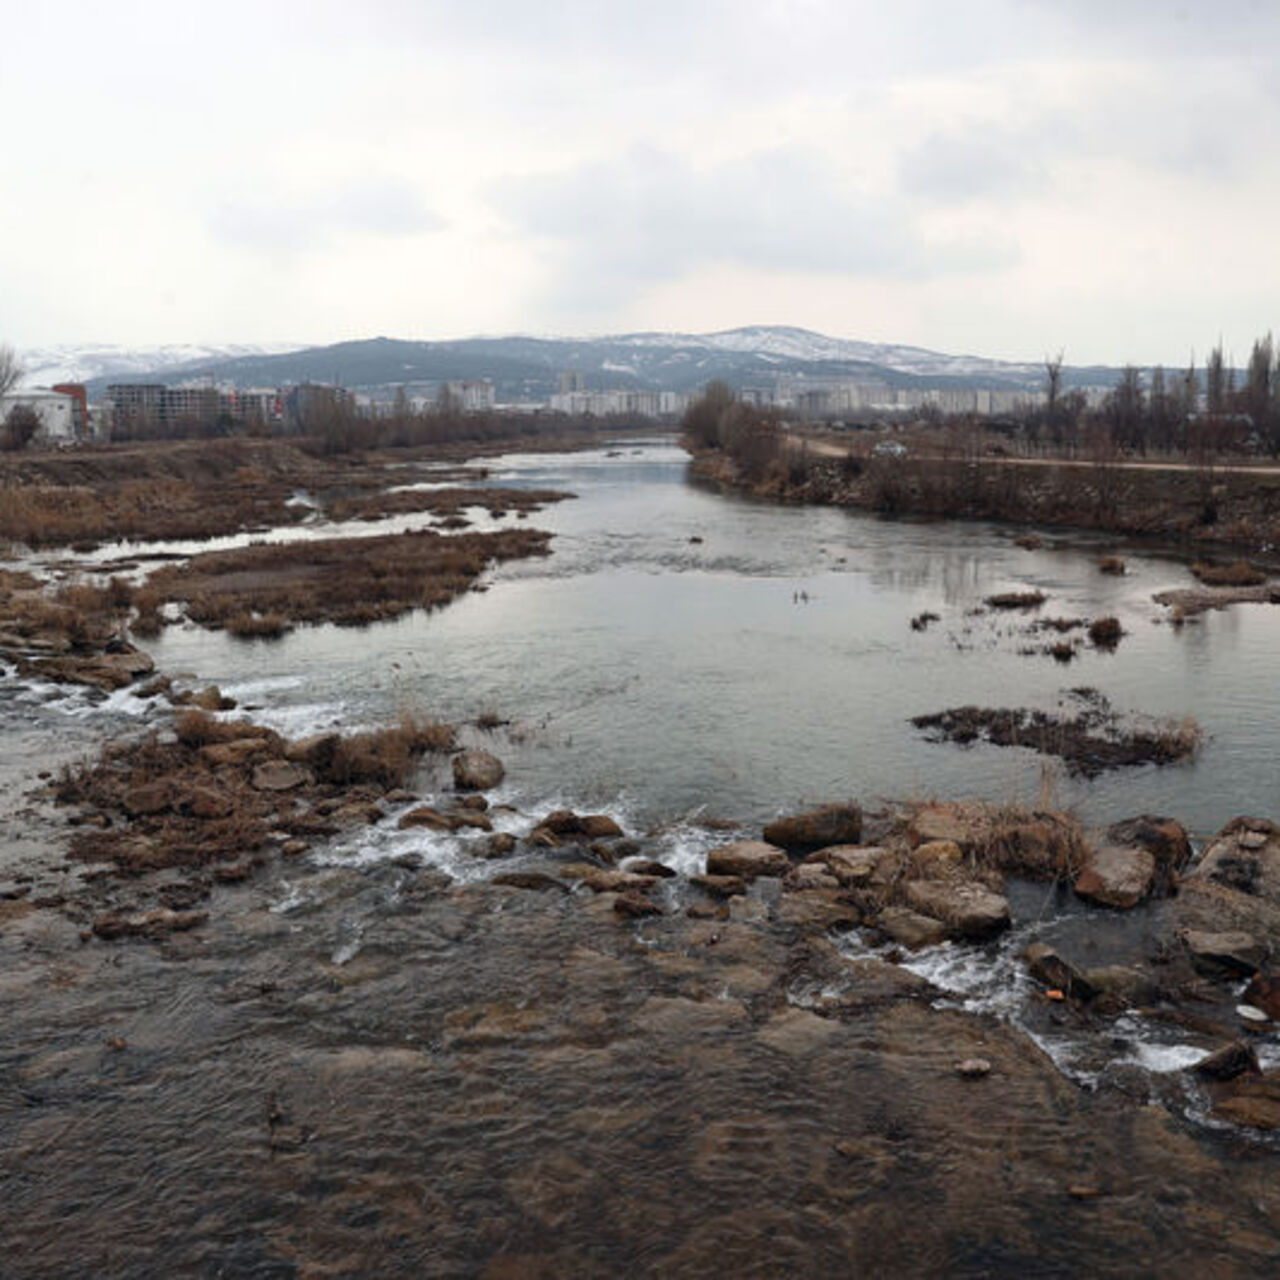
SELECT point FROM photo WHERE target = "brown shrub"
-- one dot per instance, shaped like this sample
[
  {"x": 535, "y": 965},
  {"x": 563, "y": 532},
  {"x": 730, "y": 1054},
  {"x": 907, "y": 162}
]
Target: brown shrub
[
  {"x": 1016, "y": 600},
  {"x": 251, "y": 626},
  {"x": 197, "y": 728},
  {"x": 1105, "y": 633},
  {"x": 1239, "y": 574},
  {"x": 386, "y": 756},
  {"x": 347, "y": 581}
]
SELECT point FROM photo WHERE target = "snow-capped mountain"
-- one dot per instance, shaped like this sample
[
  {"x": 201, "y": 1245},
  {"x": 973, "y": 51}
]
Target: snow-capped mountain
[
  {"x": 788, "y": 343},
  {"x": 526, "y": 369},
  {"x": 81, "y": 362}
]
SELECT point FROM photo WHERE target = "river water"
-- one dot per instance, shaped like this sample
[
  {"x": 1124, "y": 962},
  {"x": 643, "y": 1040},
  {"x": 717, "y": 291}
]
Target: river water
[
  {"x": 770, "y": 662},
  {"x": 359, "y": 1069}
]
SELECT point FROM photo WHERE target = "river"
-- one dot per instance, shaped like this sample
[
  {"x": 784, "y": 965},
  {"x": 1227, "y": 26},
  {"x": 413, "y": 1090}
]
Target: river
[
  {"x": 683, "y": 652},
  {"x": 360, "y": 1069}
]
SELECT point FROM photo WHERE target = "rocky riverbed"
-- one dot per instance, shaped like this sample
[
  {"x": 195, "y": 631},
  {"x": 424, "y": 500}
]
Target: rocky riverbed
[
  {"x": 347, "y": 1002},
  {"x": 236, "y": 1059}
]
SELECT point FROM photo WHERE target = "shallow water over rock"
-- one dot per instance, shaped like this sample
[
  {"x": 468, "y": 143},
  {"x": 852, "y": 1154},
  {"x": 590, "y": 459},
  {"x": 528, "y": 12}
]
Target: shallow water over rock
[{"x": 503, "y": 1082}]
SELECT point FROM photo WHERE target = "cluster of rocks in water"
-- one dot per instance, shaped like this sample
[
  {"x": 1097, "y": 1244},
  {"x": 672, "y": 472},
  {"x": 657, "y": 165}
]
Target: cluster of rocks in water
[{"x": 213, "y": 799}]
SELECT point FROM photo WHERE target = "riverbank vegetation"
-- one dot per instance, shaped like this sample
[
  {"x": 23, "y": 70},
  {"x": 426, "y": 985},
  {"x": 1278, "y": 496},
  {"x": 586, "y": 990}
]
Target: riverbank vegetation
[
  {"x": 1161, "y": 457},
  {"x": 268, "y": 587},
  {"x": 191, "y": 491}
]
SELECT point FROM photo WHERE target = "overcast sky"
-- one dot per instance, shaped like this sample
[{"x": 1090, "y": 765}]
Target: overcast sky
[{"x": 1001, "y": 177}]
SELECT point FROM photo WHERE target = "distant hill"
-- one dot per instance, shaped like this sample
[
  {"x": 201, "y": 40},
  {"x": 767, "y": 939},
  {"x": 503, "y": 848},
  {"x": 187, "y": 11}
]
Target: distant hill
[{"x": 529, "y": 368}]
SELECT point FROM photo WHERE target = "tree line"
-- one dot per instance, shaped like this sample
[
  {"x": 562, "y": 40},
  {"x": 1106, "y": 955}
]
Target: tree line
[{"x": 1188, "y": 411}]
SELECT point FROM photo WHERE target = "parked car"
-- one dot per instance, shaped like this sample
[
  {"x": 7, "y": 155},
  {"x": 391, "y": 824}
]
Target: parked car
[{"x": 889, "y": 449}]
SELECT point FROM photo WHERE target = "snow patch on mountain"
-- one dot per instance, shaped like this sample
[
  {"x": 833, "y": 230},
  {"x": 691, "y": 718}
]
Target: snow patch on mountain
[
  {"x": 785, "y": 342},
  {"x": 82, "y": 362}
]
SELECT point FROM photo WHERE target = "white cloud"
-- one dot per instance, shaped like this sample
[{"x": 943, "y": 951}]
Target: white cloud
[
  {"x": 617, "y": 228},
  {"x": 1032, "y": 172},
  {"x": 289, "y": 226}
]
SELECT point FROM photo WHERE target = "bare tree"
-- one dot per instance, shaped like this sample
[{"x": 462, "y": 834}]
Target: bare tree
[
  {"x": 1053, "y": 382},
  {"x": 1215, "y": 376},
  {"x": 11, "y": 369},
  {"x": 20, "y": 426}
]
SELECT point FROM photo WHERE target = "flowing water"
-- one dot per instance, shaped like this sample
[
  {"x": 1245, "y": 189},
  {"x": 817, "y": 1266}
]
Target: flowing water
[
  {"x": 358, "y": 1069},
  {"x": 771, "y": 662}
]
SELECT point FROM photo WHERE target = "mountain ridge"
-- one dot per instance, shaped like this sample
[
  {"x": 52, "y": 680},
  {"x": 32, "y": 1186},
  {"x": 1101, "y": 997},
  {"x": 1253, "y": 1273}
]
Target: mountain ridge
[{"x": 527, "y": 367}]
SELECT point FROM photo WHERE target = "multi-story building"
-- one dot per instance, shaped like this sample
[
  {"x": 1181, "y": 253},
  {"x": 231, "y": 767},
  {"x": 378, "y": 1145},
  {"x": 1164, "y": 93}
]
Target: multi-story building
[
  {"x": 58, "y": 412},
  {"x": 620, "y": 403},
  {"x": 469, "y": 397}
]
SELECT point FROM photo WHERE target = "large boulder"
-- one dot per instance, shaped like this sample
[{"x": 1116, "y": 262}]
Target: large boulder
[
  {"x": 859, "y": 866},
  {"x": 1234, "y": 954},
  {"x": 564, "y": 824},
  {"x": 475, "y": 770},
  {"x": 969, "y": 910},
  {"x": 910, "y": 929},
  {"x": 203, "y": 802},
  {"x": 748, "y": 859},
  {"x": 1048, "y": 967},
  {"x": 147, "y": 798},
  {"x": 1117, "y": 876},
  {"x": 1235, "y": 1059},
  {"x": 1163, "y": 838},
  {"x": 316, "y": 751},
  {"x": 831, "y": 824},
  {"x": 1235, "y": 887}
]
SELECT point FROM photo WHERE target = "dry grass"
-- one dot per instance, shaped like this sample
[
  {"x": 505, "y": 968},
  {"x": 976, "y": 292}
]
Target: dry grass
[
  {"x": 258, "y": 626},
  {"x": 1016, "y": 600},
  {"x": 386, "y": 756},
  {"x": 1238, "y": 574},
  {"x": 441, "y": 502},
  {"x": 348, "y": 581},
  {"x": 1112, "y": 565},
  {"x": 78, "y": 617},
  {"x": 1105, "y": 633}
]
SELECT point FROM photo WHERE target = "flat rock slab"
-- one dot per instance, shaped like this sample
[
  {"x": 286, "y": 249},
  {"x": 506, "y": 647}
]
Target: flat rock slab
[
  {"x": 1117, "y": 876},
  {"x": 969, "y": 910},
  {"x": 280, "y": 775},
  {"x": 797, "y": 1032},
  {"x": 749, "y": 859},
  {"x": 678, "y": 1016},
  {"x": 1254, "y": 1104},
  {"x": 910, "y": 929},
  {"x": 1231, "y": 954}
]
